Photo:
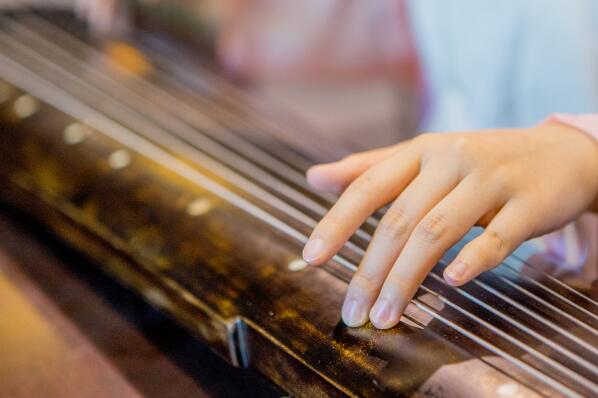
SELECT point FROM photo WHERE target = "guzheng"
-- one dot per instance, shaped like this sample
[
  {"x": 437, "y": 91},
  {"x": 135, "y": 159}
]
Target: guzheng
[{"x": 191, "y": 193}]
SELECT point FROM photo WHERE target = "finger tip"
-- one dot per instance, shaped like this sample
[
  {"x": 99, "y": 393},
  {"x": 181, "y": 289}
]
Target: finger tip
[
  {"x": 315, "y": 171},
  {"x": 313, "y": 263},
  {"x": 323, "y": 179},
  {"x": 456, "y": 274},
  {"x": 453, "y": 282},
  {"x": 382, "y": 325},
  {"x": 354, "y": 313},
  {"x": 314, "y": 251},
  {"x": 354, "y": 323},
  {"x": 315, "y": 177}
]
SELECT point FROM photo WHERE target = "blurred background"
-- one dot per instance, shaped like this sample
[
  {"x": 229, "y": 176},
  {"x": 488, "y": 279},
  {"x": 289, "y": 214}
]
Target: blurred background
[
  {"x": 368, "y": 74},
  {"x": 350, "y": 94}
]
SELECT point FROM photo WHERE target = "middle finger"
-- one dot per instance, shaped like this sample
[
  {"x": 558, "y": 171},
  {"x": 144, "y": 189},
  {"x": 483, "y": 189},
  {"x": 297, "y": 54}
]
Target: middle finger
[{"x": 433, "y": 183}]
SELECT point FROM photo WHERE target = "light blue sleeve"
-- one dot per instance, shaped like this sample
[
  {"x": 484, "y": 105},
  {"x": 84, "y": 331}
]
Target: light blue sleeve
[
  {"x": 505, "y": 63},
  {"x": 558, "y": 61}
]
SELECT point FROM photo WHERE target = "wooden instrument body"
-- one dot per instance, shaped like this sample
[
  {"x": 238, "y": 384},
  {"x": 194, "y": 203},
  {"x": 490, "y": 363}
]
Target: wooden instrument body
[
  {"x": 222, "y": 274},
  {"x": 141, "y": 210}
]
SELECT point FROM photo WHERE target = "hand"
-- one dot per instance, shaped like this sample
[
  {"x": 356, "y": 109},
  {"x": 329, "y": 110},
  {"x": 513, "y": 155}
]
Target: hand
[{"x": 517, "y": 183}]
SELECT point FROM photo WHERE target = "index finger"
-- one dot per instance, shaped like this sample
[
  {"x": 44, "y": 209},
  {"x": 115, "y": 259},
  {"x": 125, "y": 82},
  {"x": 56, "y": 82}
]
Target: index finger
[
  {"x": 376, "y": 187},
  {"x": 336, "y": 176}
]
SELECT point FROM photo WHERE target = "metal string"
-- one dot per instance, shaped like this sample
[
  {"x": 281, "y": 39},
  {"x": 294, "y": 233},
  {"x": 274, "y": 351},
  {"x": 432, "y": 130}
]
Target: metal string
[
  {"x": 557, "y": 347},
  {"x": 578, "y": 307},
  {"x": 546, "y": 304},
  {"x": 53, "y": 95},
  {"x": 180, "y": 103},
  {"x": 183, "y": 105},
  {"x": 200, "y": 143},
  {"x": 551, "y": 362},
  {"x": 557, "y": 281},
  {"x": 208, "y": 131}
]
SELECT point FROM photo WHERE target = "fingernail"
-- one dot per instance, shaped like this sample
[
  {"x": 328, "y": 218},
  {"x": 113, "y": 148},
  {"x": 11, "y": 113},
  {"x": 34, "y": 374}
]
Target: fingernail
[
  {"x": 313, "y": 249},
  {"x": 455, "y": 272},
  {"x": 381, "y": 313},
  {"x": 354, "y": 313}
]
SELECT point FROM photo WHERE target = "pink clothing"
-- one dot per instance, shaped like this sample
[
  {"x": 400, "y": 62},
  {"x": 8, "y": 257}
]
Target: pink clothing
[
  {"x": 576, "y": 244},
  {"x": 587, "y": 123},
  {"x": 279, "y": 39}
]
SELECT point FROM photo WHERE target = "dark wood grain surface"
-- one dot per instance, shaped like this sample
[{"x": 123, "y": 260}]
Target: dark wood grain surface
[
  {"x": 186, "y": 198},
  {"x": 223, "y": 275},
  {"x": 67, "y": 330}
]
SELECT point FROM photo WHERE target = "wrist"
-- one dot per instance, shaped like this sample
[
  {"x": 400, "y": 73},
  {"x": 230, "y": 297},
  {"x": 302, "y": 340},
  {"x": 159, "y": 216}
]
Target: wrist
[{"x": 569, "y": 126}]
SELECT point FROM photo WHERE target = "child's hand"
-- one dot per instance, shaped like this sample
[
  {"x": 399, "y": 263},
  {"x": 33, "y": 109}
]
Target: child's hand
[{"x": 516, "y": 183}]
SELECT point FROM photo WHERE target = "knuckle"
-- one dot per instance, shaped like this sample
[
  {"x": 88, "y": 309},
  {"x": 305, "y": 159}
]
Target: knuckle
[
  {"x": 432, "y": 228},
  {"x": 393, "y": 225},
  {"x": 464, "y": 147},
  {"x": 366, "y": 278},
  {"x": 496, "y": 243}
]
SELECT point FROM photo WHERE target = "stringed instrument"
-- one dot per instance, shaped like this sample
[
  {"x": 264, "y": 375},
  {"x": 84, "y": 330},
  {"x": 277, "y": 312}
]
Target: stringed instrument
[{"x": 192, "y": 193}]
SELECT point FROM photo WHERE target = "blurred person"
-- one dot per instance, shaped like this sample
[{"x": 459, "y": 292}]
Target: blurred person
[{"x": 486, "y": 70}]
